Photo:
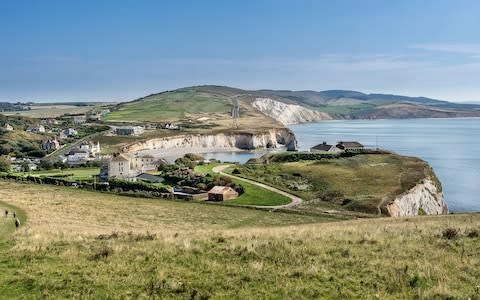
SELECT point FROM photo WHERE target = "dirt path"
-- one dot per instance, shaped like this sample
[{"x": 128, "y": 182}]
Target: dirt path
[{"x": 295, "y": 200}]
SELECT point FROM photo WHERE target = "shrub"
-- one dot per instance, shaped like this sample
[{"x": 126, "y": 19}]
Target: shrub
[
  {"x": 473, "y": 233},
  {"x": 103, "y": 252},
  {"x": 450, "y": 233}
]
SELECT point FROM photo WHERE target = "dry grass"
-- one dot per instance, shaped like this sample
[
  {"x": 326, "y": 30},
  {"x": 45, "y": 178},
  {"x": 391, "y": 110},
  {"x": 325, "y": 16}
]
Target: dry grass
[
  {"x": 59, "y": 211},
  {"x": 77, "y": 245}
]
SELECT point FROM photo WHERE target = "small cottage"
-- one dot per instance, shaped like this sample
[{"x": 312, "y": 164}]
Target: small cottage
[
  {"x": 324, "y": 147},
  {"x": 350, "y": 146},
  {"x": 222, "y": 193}
]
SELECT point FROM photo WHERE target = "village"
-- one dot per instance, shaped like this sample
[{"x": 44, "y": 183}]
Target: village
[{"x": 74, "y": 159}]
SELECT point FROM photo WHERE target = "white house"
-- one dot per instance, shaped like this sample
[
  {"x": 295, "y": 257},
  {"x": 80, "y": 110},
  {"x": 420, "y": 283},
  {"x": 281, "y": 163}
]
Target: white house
[
  {"x": 8, "y": 127},
  {"x": 129, "y": 130},
  {"x": 36, "y": 129}
]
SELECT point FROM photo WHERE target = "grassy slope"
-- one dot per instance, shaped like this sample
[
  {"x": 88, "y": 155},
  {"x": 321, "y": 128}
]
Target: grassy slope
[
  {"x": 194, "y": 254},
  {"x": 364, "y": 180},
  {"x": 253, "y": 194},
  {"x": 170, "y": 106}
]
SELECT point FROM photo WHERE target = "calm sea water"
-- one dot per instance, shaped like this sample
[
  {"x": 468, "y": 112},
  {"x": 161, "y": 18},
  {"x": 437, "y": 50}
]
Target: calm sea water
[{"x": 451, "y": 146}]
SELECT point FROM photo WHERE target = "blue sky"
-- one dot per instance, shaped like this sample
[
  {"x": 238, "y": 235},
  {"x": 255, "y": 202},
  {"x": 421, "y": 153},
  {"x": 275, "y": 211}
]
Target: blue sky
[{"x": 122, "y": 50}]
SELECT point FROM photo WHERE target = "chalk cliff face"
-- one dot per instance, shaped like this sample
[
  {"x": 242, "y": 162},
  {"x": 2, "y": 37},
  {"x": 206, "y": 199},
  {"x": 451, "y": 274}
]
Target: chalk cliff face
[
  {"x": 288, "y": 113},
  {"x": 271, "y": 138},
  {"x": 425, "y": 197}
]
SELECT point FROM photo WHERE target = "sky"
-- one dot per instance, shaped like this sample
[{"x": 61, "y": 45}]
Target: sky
[{"x": 121, "y": 50}]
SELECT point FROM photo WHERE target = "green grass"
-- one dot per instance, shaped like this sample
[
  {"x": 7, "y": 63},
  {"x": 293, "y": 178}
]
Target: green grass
[
  {"x": 360, "y": 183},
  {"x": 81, "y": 244},
  {"x": 7, "y": 224},
  {"x": 253, "y": 195},
  {"x": 77, "y": 173},
  {"x": 169, "y": 106}
]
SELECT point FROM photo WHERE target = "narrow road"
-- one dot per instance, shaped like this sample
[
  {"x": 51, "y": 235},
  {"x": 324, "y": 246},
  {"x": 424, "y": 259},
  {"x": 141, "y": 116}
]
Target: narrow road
[
  {"x": 295, "y": 200},
  {"x": 67, "y": 149}
]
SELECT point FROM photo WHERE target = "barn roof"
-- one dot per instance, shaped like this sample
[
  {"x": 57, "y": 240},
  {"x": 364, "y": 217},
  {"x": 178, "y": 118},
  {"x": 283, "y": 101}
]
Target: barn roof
[{"x": 218, "y": 189}]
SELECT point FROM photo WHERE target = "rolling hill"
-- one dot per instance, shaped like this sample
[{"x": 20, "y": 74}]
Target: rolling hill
[{"x": 214, "y": 103}]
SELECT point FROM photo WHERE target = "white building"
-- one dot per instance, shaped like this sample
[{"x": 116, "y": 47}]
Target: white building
[
  {"x": 78, "y": 156},
  {"x": 70, "y": 132},
  {"x": 129, "y": 130},
  {"x": 123, "y": 166},
  {"x": 7, "y": 127},
  {"x": 36, "y": 129}
]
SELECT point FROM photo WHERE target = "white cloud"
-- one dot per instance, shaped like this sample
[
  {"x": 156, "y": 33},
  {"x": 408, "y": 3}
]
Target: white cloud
[{"x": 471, "y": 49}]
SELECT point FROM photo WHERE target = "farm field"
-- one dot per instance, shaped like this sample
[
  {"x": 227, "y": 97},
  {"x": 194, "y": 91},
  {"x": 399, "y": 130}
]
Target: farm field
[
  {"x": 50, "y": 111},
  {"x": 73, "y": 173},
  {"x": 79, "y": 244}
]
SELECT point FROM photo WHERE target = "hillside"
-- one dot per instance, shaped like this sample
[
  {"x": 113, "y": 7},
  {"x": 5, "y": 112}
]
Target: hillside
[
  {"x": 211, "y": 106},
  {"x": 373, "y": 183},
  {"x": 79, "y": 244}
]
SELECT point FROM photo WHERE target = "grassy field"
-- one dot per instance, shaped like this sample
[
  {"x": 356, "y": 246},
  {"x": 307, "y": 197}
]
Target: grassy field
[
  {"x": 253, "y": 195},
  {"x": 50, "y": 111},
  {"x": 78, "y": 244},
  {"x": 170, "y": 106},
  {"x": 74, "y": 173},
  {"x": 361, "y": 182}
]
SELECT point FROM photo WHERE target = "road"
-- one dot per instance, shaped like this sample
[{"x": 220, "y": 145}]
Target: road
[
  {"x": 68, "y": 148},
  {"x": 295, "y": 200}
]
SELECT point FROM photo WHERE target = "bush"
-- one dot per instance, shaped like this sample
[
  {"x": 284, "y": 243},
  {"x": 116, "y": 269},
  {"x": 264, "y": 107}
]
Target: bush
[
  {"x": 473, "y": 233},
  {"x": 4, "y": 165},
  {"x": 103, "y": 252},
  {"x": 450, "y": 233}
]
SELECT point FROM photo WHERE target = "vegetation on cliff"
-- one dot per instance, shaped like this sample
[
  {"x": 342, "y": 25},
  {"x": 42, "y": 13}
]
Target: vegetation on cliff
[{"x": 363, "y": 182}]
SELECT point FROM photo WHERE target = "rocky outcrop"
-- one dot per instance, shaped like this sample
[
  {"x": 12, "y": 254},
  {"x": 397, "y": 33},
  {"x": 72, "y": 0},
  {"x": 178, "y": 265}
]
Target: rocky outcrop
[
  {"x": 424, "y": 198},
  {"x": 288, "y": 114},
  {"x": 270, "y": 138}
]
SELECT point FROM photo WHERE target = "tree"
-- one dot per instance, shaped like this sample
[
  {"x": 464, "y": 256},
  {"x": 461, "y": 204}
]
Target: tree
[
  {"x": 4, "y": 165},
  {"x": 45, "y": 165},
  {"x": 25, "y": 167}
]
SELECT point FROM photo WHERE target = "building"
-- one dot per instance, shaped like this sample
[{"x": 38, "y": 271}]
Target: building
[
  {"x": 143, "y": 163},
  {"x": 79, "y": 119},
  {"x": 92, "y": 148},
  {"x": 324, "y": 147},
  {"x": 119, "y": 166},
  {"x": 349, "y": 146},
  {"x": 129, "y": 130},
  {"x": 36, "y": 129},
  {"x": 7, "y": 127},
  {"x": 150, "y": 178},
  {"x": 50, "y": 145},
  {"x": 69, "y": 132},
  {"x": 222, "y": 193},
  {"x": 78, "y": 156}
]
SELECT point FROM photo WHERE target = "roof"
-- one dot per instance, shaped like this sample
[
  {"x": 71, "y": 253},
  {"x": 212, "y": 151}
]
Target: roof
[
  {"x": 350, "y": 144},
  {"x": 120, "y": 157},
  {"x": 218, "y": 189},
  {"x": 151, "y": 177},
  {"x": 322, "y": 147}
]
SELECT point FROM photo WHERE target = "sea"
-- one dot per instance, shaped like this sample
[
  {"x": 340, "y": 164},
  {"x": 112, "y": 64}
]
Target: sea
[{"x": 450, "y": 146}]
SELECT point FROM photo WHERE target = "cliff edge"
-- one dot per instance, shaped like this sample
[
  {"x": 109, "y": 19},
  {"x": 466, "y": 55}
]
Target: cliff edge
[{"x": 424, "y": 198}]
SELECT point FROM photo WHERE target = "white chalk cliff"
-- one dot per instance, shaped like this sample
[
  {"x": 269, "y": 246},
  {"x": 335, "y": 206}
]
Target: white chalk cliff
[
  {"x": 288, "y": 114},
  {"x": 270, "y": 138},
  {"x": 425, "y": 196}
]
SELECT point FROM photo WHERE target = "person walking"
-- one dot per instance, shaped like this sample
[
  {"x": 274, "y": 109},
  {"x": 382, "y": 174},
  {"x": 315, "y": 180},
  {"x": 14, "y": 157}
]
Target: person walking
[
  {"x": 14, "y": 214},
  {"x": 17, "y": 223},
  {"x": 6, "y": 213}
]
